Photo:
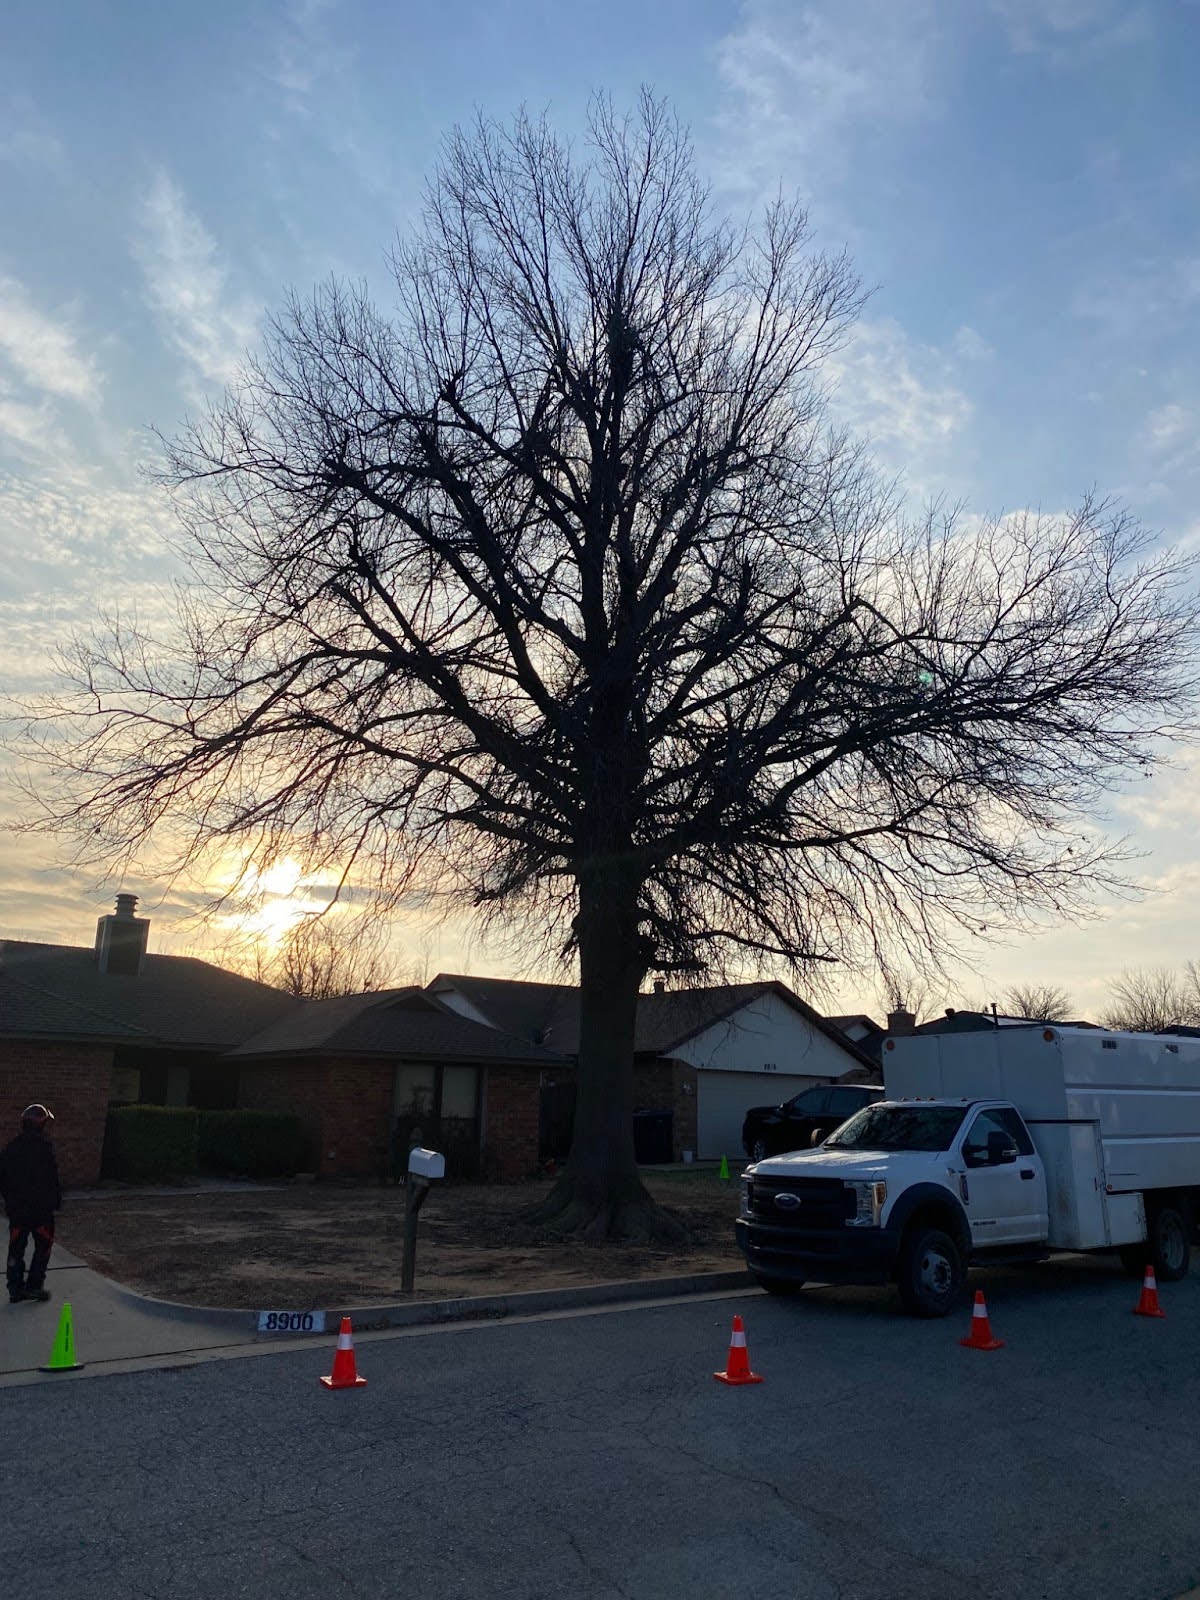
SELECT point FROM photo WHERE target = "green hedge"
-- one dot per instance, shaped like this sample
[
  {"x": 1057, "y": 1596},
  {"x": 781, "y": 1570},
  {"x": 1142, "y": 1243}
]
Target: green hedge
[
  {"x": 260, "y": 1144},
  {"x": 148, "y": 1144}
]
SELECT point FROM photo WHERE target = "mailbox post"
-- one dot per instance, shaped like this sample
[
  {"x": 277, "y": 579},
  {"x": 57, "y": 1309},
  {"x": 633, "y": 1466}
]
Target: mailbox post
[{"x": 423, "y": 1167}]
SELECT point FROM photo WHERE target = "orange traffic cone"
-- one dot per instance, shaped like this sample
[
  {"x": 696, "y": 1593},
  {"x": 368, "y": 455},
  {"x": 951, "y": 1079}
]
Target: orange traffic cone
[
  {"x": 344, "y": 1374},
  {"x": 980, "y": 1336},
  {"x": 737, "y": 1369},
  {"x": 1148, "y": 1305}
]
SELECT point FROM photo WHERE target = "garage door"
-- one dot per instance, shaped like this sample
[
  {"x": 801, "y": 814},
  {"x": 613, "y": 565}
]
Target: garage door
[{"x": 723, "y": 1099}]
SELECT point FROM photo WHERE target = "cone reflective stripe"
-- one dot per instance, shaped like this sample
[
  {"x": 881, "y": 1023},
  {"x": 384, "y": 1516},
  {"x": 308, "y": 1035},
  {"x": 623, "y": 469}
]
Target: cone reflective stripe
[
  {"x": 737, "y": 1367},
  {"x": 1148, "y": 1305},
  {"x": 62, "y": 1356},
  {"x": 345, "y": 1373},
  {"x": 980, "y": 1336}
]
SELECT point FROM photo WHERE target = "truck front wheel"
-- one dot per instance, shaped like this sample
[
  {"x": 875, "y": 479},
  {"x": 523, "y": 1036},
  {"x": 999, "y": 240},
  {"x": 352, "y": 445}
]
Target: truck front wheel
[{"x": 930, "y": 1272}]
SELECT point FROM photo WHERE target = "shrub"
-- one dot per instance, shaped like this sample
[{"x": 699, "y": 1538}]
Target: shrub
[
  {"x": 261, "y": 1144},
  {"x": 148, "y": 1144}
]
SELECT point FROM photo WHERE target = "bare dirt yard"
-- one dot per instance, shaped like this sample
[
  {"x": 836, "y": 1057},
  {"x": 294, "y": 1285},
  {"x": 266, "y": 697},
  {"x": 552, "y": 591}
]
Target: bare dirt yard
[{"x": 316, "y": 1247}]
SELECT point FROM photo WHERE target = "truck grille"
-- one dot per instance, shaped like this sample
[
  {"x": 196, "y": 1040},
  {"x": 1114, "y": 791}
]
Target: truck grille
[{"x": 819, "y": 1202}]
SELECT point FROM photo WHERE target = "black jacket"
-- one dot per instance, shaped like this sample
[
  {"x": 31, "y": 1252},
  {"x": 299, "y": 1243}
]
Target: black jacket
[{"x": 29, "y": 1176}]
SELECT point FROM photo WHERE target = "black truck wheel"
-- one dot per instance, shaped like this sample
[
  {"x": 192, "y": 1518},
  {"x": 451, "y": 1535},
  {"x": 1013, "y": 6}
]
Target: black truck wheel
[
  {"x": 930, "y": 1272},
  {"x": 778, "y": 1286},
  {"x": 1170, "y": 1243},
  {"x": 759, "y": 1151}
]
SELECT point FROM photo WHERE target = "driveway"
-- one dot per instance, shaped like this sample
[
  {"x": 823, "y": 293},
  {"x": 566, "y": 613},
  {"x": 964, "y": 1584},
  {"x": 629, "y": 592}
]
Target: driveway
[{"x": 592, "y": 1455}]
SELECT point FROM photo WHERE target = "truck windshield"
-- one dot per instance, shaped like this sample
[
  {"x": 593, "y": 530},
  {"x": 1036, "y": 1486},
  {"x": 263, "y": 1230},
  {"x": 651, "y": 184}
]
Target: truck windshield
[{"x": 899, "y": 1128}]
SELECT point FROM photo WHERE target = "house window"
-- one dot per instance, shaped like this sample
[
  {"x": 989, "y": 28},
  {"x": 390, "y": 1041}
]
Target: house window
[{"x": 437, "y": 1107}]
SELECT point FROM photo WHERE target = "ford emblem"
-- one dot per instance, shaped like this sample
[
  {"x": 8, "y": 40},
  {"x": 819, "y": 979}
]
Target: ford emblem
[{"x": 787, "y": 1202}]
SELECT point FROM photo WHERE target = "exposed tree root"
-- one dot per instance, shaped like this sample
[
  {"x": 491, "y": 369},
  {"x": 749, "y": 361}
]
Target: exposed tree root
[{"x": 574, "y": 1210}]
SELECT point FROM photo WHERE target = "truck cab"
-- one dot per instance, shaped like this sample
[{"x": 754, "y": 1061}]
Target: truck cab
[{"x": 907, "y": 1189}]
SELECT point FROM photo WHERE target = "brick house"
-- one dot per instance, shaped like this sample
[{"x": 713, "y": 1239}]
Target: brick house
[
  {"x": 373, "y": 1074},
  {"x": 84, "y": 1028}
]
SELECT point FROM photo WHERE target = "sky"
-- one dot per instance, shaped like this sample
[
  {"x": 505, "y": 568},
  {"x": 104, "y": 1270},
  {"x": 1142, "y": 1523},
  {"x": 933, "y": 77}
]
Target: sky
[{"x": 1019, "y": 181}]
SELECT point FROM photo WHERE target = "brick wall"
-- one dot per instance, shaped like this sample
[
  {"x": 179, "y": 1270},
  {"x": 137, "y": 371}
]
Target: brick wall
[
  {"x": 297, "y": 1087},
  {"x": 73, "y": 1080},
  {"x": 345, "y": 1105},
  {"x": 511, "y": 1121},
  {"x": 358, "y": 1118}
]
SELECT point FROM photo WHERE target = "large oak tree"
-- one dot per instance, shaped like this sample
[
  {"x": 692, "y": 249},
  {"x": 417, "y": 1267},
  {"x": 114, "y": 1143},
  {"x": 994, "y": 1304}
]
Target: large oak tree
[{"x": 551, "y": 587}]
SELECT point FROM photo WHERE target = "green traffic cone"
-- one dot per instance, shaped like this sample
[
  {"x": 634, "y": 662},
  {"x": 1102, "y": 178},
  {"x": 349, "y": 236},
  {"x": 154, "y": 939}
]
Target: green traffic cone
[
  {"x": 62, "y": 1357},
  {"x": 724, "y": 1172}
]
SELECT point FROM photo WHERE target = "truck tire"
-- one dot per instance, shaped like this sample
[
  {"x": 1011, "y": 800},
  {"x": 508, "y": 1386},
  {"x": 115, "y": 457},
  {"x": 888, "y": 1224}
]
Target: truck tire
[
  {"x": 758, "y": 1150},
  {"x": 930, "y": 1273},
  {"x": 782, "y": 1287},
  {"x": 1169, "y": 1242}
]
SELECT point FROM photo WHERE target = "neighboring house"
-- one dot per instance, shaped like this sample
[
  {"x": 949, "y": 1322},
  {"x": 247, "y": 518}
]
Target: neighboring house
[
  {"x": 706, "y": 1054},
  {"x": 83, "y": 1028},
  {"x": 865, "y": 1032}
]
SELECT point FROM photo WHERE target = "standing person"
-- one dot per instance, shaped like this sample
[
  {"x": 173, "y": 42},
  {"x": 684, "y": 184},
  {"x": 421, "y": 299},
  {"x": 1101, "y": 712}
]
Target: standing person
[{"x": 30, "y": 1187}]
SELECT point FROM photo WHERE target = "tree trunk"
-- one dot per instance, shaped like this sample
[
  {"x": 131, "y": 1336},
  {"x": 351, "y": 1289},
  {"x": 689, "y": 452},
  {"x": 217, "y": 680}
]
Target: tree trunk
[{"x": 600, "y": 1194}]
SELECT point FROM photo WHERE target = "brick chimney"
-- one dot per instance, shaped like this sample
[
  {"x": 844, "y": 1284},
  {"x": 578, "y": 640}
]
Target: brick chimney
[
  {"x": 660, "y": 986},
  {"x": 121, "y": 939},
  {"x": 901, "y": 1023}
]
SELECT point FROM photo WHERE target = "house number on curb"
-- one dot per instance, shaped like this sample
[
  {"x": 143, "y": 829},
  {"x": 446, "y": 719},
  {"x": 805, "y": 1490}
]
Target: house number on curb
[{"x": 291, "y": 1322}]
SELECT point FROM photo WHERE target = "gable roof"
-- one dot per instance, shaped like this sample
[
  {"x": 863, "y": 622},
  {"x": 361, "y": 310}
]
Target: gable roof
[
  {"x": 389, "y": 1022},
  {"x": 548, "y": 1013},
  {"x": 174, "y": 1000},
  {"x": 27, "y": 1012}
]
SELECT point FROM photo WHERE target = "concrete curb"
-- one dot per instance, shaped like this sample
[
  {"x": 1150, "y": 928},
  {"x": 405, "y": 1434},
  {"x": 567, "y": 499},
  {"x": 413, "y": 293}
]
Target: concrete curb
[{"x": 484, "y": 1307}]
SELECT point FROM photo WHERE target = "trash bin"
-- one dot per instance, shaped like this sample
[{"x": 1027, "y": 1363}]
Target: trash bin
[{"x": 653, "y": 1136}]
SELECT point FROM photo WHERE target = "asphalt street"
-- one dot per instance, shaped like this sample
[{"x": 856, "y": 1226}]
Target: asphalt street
[{"x": 593, "y": 1455}]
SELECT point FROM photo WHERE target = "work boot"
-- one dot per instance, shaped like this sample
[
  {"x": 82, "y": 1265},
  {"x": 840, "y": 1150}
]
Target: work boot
[
  {"x": 15, "y": 1296},
  {"x": 37, "y": 1294}
]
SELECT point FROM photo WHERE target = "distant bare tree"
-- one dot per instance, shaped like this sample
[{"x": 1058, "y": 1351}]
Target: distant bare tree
[
  {"x": 1039, "y": 1002},
  {"x": 329, "y": 955},
  {"x": 552, "y": 591},
  {"x": 1149, "y": 999}
]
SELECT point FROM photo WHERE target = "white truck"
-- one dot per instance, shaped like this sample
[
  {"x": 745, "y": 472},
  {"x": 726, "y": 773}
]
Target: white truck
[{"x": 999, "y": 1144}]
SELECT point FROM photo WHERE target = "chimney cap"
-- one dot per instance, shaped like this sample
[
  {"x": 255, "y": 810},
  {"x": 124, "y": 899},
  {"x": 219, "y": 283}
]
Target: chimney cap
[{"x": 126, "y": 904}]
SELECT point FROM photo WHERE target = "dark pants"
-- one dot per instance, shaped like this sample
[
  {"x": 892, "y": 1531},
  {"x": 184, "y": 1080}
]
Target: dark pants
[{"x": 20, "y": 1230}]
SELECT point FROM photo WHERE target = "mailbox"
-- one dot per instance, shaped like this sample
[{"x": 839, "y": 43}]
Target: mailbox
[{"x": 426, "y": 1164}]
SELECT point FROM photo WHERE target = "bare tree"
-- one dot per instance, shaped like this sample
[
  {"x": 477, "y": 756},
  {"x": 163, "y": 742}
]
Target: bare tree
[
  {"x": 1149, "y": 999},
  {"x": 327, "y": 955},
  {"x": 1039, "y": 1002},
  {"x": 552, "y": 589}
]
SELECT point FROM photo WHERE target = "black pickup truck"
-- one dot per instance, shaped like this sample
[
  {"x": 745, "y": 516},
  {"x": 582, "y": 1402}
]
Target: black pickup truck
[{"x": 774, "y": 1130}]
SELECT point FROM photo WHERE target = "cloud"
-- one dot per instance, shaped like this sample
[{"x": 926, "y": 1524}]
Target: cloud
[
  {"x": 806, "y": 80},
  {"x": 26, "y": 138},
  {"x": 900, "y": 394},
  {"x": 1052, "y": 25},
  {"x": 29, "y": 429},
  {"x": 304, "y": 48},
  {"x": 972, "y": 346},
  {"x": 187, "y": 285},
  {"x": 43, "y": 351},
  {"x": 1169, "y": 427}
]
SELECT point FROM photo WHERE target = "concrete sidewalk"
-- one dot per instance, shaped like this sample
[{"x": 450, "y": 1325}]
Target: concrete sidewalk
[{"x": 111, "y": 1323}]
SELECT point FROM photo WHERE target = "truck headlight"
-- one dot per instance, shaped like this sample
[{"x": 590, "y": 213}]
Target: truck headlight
[
  {"x": 746, "y": 1192},
  {"x": 869, "y": 1201}
]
